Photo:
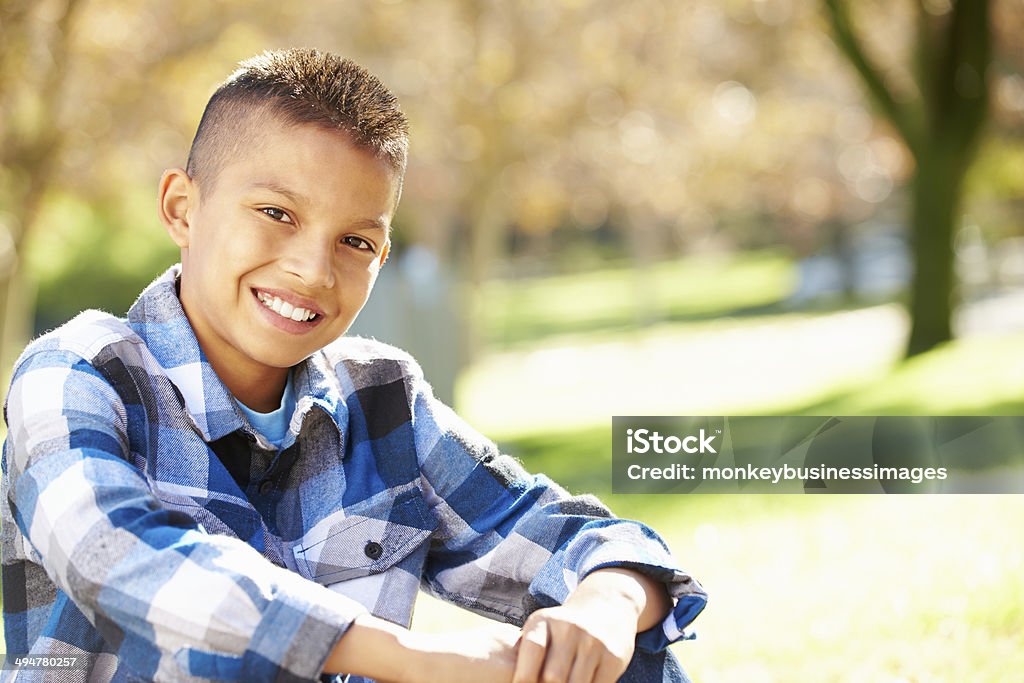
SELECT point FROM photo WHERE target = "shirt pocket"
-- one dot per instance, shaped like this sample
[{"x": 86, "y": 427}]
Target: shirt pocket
[{"x": 345, "y": 546}]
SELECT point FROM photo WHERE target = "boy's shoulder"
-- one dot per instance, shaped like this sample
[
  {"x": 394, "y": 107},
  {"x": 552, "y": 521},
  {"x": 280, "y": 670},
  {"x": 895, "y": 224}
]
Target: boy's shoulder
[
  {"x": 84, "y": 336},
  {"x": 356, "y": 349},
  {"x": 369, "y": 362}
]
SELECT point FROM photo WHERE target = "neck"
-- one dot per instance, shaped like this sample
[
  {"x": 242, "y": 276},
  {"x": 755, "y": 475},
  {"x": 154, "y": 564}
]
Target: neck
[
  {"x": 259, "y": 387},
  {"x": 262, "y": 394}
]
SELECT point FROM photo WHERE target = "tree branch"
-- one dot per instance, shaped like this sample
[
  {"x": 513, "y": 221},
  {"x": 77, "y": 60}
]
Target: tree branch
[{"x": 848, "y": 43}]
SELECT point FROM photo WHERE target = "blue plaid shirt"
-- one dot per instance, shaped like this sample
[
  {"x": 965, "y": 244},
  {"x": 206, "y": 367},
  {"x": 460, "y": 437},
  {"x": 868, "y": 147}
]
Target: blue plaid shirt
[{"x": 149, "y": 530}]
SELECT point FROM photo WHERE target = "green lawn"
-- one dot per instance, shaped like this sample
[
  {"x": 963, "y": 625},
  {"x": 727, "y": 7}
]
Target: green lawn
[
  {"x": 896, "y": 589},
  {"x": 519, "y": 312}
]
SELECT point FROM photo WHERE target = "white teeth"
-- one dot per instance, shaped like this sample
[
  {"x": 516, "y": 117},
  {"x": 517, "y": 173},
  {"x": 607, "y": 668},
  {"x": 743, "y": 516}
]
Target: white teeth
[{"x": 285, "y": 309}]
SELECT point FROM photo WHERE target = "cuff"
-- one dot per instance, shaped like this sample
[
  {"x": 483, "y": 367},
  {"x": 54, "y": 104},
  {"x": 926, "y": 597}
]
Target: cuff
[
  {"x": 631, "y": 545},
  {"x": 295, "y": 635},
  {"x": 688, "y": 597}
]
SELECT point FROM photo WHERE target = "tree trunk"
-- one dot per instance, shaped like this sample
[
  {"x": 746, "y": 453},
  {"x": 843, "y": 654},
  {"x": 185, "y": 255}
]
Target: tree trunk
[
  {"x": 941, "y": 129},
  {"x": 934, "y": 217}
]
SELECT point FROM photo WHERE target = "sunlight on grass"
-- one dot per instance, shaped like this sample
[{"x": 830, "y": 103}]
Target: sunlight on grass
[
  {"x": 524, "y": 310},
  {"x": 980, "y": 375},
  {"x": 729, "y": 366},
  {"x": 888, "y": 589},
  {"x": 844, "y": 363},
  {"x": 844, "y": 588}
]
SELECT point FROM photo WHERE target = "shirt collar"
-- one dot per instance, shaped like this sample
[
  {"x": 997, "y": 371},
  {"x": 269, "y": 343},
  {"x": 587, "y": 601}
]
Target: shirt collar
[{"x": 158, "y": 318}]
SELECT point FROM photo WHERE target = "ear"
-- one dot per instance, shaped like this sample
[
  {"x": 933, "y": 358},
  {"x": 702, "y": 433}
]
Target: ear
[
  {"x": 177, "y": 194},
  {"x": 384, "y": 251}
]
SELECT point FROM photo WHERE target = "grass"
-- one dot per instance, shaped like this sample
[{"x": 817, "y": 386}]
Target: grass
[
  {"x": 729, "y": 366},
  {"x": 868, "y": 588},
  {"x": 898, "y": 589},
  {"x": 893, "y": 589},
  {"x": 618, "y": 299},
  {"x": 973, "y": 376},
  {"x": 845, "y": 362}
]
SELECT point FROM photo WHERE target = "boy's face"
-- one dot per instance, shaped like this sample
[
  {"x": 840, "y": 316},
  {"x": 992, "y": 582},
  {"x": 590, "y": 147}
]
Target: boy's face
[{"x": 281, "y": 254}]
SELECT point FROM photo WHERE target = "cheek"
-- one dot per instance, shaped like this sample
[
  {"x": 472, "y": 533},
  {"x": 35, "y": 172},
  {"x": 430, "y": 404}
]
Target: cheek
[
  {"x": 359, "y": 269},
  {"x": 373, "y": 278},
  {"x": 246, "y": 246}
]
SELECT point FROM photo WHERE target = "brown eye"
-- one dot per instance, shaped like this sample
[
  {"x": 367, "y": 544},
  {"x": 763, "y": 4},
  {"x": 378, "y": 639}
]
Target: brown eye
[
  {"x": 276, "y": 214},
  {"x": 357, "y": 242}
]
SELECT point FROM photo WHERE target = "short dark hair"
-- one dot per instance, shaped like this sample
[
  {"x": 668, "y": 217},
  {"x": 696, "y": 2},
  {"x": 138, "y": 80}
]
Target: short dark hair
[{"x": 299, "y": 86}]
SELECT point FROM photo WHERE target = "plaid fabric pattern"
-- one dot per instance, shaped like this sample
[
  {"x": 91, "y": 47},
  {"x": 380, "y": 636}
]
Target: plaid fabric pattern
[{"x": 149, "y": 529}]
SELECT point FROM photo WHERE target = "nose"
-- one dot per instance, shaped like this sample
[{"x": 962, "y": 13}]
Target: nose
[{"x": 312, "y": 261}]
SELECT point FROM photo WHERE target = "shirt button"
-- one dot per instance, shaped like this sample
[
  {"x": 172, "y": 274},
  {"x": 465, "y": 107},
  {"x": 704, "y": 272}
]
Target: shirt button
[
  {"x": 373, "y": 550},
  {"x": 266, "y": 487}
]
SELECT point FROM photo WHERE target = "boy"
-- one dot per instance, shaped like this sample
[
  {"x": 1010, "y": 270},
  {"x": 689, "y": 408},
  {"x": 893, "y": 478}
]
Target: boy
[{"x": 223, "y": 487}]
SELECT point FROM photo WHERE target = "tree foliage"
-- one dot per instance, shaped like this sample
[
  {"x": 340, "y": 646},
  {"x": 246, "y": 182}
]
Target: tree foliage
[{"x": 649, "y": 129}]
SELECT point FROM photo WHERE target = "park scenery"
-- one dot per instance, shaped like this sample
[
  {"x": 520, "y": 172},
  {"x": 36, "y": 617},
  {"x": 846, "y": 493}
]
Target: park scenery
[{"x": 741, "y": 207}]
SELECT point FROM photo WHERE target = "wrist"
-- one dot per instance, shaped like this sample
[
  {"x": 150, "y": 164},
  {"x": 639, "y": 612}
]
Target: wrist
[
  {"x": 418, "y": 654},
  {"x": 610, "y": 594},
  {"x": 374, "y": 648},
  {"x": 625, "y": 592}
]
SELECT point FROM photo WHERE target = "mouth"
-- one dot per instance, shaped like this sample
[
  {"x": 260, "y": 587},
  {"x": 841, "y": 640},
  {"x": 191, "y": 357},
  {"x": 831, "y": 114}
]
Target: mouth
[{"x": 294, "y": 311}]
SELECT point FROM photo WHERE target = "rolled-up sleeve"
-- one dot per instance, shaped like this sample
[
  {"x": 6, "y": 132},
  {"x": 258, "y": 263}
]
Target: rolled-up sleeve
[
  {"x": 509, "y": 542},
  {"x": 143, "y": 574}
]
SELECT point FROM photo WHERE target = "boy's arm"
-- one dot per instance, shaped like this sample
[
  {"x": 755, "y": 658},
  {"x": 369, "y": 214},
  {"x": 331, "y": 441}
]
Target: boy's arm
[
  {"x": 598, "y": 624},
  {"x": 206, "y": 605},
  {"x": 509, "y": 543},
  {"x": 599, "y": 621},
  {"x": 377, "y": 649}
]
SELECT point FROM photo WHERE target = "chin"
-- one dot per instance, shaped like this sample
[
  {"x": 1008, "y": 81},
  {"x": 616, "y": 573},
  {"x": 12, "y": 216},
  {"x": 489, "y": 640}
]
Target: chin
[{"x": 280, "y": 360}]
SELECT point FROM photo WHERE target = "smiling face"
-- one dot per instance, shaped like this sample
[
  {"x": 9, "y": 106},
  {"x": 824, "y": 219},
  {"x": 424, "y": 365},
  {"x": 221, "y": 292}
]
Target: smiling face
[{"x": 279, "y": 256}]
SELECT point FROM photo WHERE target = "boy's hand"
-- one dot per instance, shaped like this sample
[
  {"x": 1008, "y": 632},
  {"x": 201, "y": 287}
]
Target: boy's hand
[
  {"x": 590, "y": 639},
  {"x": 574, "y": 644}
]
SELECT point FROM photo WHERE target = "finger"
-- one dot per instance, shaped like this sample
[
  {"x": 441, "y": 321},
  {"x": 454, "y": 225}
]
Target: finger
[
  {"x": 584, "y": 666},
  {"x": 530, "y": 659},
  {"x": 608, "y": 670},
  {"x": 560, "y": 656}
]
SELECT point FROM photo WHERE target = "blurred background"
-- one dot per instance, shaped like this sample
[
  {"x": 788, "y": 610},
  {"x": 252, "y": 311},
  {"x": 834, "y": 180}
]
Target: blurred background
[{"x": 614, "y": 208}]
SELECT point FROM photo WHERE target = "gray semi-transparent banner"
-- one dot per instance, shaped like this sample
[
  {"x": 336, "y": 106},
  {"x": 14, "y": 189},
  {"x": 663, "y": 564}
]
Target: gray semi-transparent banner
[{"x": 807, "y": 454}]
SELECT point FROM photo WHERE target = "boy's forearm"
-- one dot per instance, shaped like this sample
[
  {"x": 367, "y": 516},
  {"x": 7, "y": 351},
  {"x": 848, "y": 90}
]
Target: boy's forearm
[
  {"x": 374, "y": 648},
  {"x": 388, "y": 653},
  {"x": 648, "y": 597}
]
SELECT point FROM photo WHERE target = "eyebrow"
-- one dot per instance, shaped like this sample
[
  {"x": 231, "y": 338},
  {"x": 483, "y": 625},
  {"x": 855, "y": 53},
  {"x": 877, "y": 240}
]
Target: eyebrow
[
  {"x": 280, "y": 189},
  {"x": 371, "y": 224}
]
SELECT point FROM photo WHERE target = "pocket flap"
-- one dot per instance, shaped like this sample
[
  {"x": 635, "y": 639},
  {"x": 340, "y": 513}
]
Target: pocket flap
[{"x": 345, "y": 546}]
